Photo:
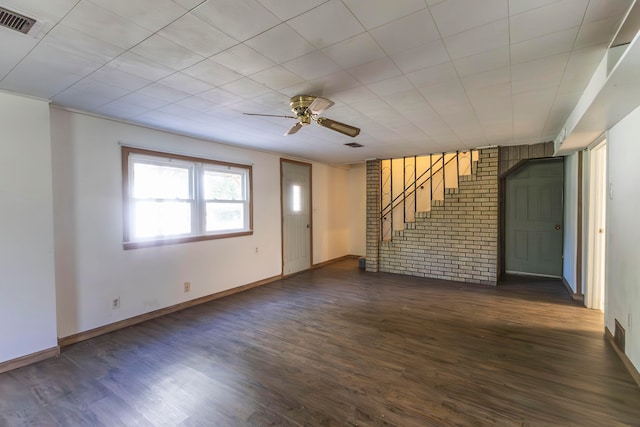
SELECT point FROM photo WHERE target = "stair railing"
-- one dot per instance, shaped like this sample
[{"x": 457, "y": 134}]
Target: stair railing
[{"x": 411, "y": 189}]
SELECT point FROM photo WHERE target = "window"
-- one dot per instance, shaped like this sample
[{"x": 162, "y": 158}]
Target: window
[{"x": 175, "y": 199}]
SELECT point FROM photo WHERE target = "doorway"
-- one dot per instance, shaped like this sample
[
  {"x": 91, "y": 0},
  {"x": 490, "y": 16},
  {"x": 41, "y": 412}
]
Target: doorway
[
  {"x": 534, "y": 218},
  {"x": 596, "y": 230},
  {"x": 295, "y": 178}
]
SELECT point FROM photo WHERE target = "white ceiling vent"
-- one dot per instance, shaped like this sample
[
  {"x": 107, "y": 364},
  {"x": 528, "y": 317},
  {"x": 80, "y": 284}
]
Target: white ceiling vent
[{"x": 16, "y": 21}]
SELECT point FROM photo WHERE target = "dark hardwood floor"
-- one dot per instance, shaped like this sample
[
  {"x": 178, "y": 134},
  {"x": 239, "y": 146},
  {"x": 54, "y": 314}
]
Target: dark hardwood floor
[{"x": 339, "y": 346}]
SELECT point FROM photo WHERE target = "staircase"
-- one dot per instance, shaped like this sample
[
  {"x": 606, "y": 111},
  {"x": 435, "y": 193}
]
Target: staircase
[{"x": 411, "y": 186}]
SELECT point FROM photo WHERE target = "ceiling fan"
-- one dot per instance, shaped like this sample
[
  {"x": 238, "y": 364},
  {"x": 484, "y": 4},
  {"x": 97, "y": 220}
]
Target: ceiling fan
[{"x": 306, "y": 108}]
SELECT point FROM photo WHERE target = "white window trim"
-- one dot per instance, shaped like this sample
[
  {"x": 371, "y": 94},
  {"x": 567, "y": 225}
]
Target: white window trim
[{"x": 198, "y": 166}]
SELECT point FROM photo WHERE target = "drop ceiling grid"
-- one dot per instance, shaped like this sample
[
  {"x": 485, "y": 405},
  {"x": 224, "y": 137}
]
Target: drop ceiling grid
[{"x": 450, "y": 62}]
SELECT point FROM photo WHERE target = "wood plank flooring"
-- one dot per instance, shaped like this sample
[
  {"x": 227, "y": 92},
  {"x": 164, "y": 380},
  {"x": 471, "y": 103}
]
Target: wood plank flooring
[{"x": 339, "y": 346}]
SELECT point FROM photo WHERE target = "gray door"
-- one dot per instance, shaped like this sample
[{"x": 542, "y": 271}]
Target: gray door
[
  {"x": 296, "y": 216},
  {"x": 534, "y": 213}
]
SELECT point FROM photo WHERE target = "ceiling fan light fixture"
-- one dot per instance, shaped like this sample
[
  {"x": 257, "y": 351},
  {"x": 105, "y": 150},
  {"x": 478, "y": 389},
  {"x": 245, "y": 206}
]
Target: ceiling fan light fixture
[
  {"x": 319, "y": 105},
  {"x": 345, "y": 129}
]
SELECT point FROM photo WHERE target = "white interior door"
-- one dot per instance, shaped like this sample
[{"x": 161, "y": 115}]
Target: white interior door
[
  {"x": 596, "y": 231},
  {"x": 534, "y": 217},
  {"x": 296, "y": 216}
]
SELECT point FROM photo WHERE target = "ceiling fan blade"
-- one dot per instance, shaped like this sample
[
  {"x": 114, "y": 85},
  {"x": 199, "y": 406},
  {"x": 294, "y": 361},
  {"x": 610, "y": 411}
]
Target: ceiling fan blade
[
  {"x": 269, "y": 115},
  {"x": 319, "y": 105},
  {"x": 295, "y": 128},
  {"x": 343, "y": 128}
]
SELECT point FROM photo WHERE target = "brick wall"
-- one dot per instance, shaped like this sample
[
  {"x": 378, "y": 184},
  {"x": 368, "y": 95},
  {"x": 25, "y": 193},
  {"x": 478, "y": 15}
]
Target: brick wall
[
  {"x": 374, "y": 171},
  {"x": 457, "y": 240},
  {"x": 513, "y": 155}
]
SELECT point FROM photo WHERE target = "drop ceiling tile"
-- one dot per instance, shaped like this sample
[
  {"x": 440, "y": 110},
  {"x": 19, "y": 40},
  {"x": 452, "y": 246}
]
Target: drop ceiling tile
[
  {"x": 35, "y": 79},
  {"x": 487, "y": 78},
  {"x": 87, "y": 95},
  {"x": 517, "y": 7},
  {"x": 120, "y": 109},
  {"x": 70, "y": 40},
  {"x": 275, "y": 101},
  {"x": 456, "y": 16},
  {"x": 15, "y": 47},
  {"x": 185, "y": 83},
  {"x": 584, "y": 60},
  {"x": 277, "y": 78},
  {"x": 196, "y": 103},
  {"x": 137, "y": 65},
  {"x": 332, "y": 83},
  {"x": 374, "y": 13},
  {"x": 547, "y": 45},
  {"x": 421, "y": 57},
  {"x": 327, "y": 24},
  {"x": 447, "y": 94},
  {"x": 433, "y": 75},
  {"x": 281, "y": 44},
  {"x": 240, "y": 19},
  {"x": 49, "y": 54},
  {"x": 221, "y": 97},
  {"x": 288, "y": 10},
  {"x": 356, "y": 94},
  {"x": 406, "y": 33},
  {"x": 211, "y": 72},
  {"x": 52, "y": 10},
  {"x": 407, "y": 101},
  {"x": 478, "y": 40},
  {"x": 105, "y": 25},
  {"x": 597, "y": 32},
  {"x": 495, "y": 96},
  {"x": 165, "y": 52},
  {"x": 150, "y": 14},
  {"x": 116, "y": 77},
  {"x": 539, "y": 74},
  {"x": 246, "y": 88},
  {"x": 374, "y": 71},
  {"x": 195, "y": 34},
  {"x": 554, "y": 17},
  {"x": 161, "y": 91},
  {"x": 188, "y": 4},
  {"x": 355, "y": 51},
  {"x": 144, "y": 101},
  {"x": 243, "y": 60},
  {"x": 180, "y": 111},
  {"x": 312, "y": 65},
  {"x": 601, "y": 9},
  {"x": 489, "y": 60},
  {"x": 391, "y": 86}
]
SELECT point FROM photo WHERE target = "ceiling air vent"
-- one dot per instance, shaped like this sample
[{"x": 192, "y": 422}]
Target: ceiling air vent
[
  {"x": 15, "y": 21},
  {"x": 353, "y": 145}
]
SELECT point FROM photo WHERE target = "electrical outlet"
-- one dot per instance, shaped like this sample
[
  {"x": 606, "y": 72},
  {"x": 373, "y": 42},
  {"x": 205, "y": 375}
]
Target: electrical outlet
[
  {"x": 187, "y": 286},
  {"x": 115, "y": 303},
  {"x": 257, "y": 249}
]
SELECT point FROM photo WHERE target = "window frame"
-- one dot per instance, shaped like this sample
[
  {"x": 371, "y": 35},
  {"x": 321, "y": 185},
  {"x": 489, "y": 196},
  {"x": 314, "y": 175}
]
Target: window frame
[{"x": 198, "y": 215}]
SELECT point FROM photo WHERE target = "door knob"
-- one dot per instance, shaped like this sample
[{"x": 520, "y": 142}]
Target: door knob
[{"x": 557, "y": 226}]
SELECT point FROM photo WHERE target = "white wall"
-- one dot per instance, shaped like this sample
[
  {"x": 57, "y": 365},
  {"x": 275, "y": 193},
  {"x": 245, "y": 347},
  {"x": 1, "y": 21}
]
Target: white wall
[
  {"x": 570, "y": 227},
  {"x": 91, "y": 266},
  {"x": 27, "y": 286},
  {"x": 330, "y": 212},
  {"x": 622, "y": 300},
  {"x": 358, "y": 209}
]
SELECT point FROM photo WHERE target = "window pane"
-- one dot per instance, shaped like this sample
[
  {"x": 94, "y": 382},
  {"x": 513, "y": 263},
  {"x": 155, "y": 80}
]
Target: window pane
[
  {"x": 160, "y": 182},
  {"x": 296, "y": 200},
  {"x": 225, "y": 216},
  {"x": 222, "y": 185},
  {"x": 152, "y": 219}
]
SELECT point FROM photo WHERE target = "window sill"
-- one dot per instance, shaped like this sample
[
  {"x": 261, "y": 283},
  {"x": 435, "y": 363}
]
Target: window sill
[{"x": 180, "y": 240}]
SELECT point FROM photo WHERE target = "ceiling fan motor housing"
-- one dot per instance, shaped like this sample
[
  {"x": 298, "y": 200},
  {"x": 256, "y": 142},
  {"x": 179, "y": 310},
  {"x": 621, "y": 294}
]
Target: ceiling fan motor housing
[{"x": 299, "y": 106}]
